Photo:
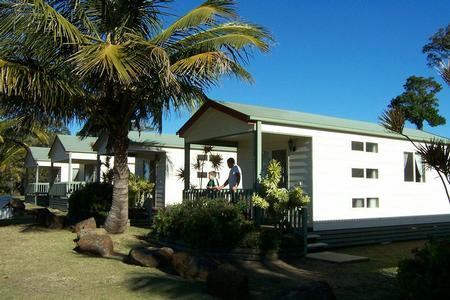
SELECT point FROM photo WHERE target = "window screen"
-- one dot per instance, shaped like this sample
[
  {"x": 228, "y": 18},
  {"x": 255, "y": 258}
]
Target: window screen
[{"x": 357, "y": 146}]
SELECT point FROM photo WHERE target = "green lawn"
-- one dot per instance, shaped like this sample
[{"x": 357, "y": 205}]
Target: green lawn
[{"x": 39, "y": 263}]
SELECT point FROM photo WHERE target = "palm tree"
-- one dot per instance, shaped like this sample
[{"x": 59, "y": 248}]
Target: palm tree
[{"x": 112, "y": 65}]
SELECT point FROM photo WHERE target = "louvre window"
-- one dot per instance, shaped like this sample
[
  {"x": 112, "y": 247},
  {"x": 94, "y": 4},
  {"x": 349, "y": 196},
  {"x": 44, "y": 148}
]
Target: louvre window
[
  {"x": 358, "y": 202},
  {"x": 373, "y": 203},
  {"x": 357, "y": 173},
  {"x": 357, "y": 146}
]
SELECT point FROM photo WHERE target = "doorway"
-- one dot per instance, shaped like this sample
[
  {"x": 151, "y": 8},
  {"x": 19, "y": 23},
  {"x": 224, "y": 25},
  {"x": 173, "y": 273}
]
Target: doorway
[{"x": 281, "y": 157}]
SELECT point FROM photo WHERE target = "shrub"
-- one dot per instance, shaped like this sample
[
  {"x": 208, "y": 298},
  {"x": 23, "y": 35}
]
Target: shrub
[
  {"x": 203, "y": 224},
  {"x": 93, "y": 200},
  {"x": 427, "y": 275},
  {"x": 278, "y": 200}
]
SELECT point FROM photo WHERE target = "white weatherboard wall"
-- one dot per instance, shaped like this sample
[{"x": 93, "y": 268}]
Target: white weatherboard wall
[{"x": 334, "y": 187}]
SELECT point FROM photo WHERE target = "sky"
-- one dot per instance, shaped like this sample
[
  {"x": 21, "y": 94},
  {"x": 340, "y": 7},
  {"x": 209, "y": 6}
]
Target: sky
[{"x": 338, "y": 58}]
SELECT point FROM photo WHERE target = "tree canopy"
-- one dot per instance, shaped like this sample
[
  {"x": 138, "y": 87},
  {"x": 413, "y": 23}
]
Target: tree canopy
[
  {"x": 113, "y": 65},
  {"x": 419, "y": 102},
  {"x": 438, "y": 52}
]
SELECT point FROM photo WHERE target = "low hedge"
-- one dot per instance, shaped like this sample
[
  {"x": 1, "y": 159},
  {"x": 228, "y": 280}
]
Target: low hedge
[{"x": 202, "y": 224}]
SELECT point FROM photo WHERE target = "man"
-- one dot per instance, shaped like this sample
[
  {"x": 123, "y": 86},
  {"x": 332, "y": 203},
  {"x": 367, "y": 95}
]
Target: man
[{"x": 234, "y": 178}]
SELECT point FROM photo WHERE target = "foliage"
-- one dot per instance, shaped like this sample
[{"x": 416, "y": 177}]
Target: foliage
[
  {"x": 438, "y": 52},
  {"x": 139, "y": 191},
  {"x": 93, "y": 200},
  {"x": 113, "y": 65},
  {"x": 203, "y": 224},
  {"x": 427, "y": 275},
  {"x": 277, "y": 200},
  {"x": 418, "y": 102},
  {"x": 215, "y": 161}
]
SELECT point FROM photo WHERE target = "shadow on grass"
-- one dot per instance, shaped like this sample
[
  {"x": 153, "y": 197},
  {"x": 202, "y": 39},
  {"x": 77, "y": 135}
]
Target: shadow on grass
[
  {"x": 17, "y": 220},
  {"x": 166, "y": 286}
]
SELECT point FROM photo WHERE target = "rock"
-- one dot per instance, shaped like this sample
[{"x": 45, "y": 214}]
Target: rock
[
  {"x": 82, "y": 232},
  {"x": 46, "y": 218},
  {"x": 99, "y": 244},
  {"x": 150, "y": 257},
  {"x": 311, "y": 290},
  {"x": 86, "y": 225},
  {"x": 17, "y": 205},
  {"x": 191, "y": 267},
  {"x": 165, "y": 254},
  {"x": 227, "y": 282},
  {"x": 143, "y": 257}
]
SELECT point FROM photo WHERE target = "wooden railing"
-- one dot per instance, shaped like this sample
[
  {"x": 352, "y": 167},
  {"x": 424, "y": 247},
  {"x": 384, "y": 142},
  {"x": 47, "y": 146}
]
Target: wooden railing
[
  {"x": 37, "y": 188},
  {"x": 64, "y": 189},
  {"x": 238, "y": 195},
  {"x": 296, "y": 219}
]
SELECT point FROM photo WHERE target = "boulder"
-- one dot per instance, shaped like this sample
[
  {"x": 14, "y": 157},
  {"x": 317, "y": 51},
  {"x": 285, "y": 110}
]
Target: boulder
[
  {"x": 46, "y": 218},
  {"x": 192, "y": 267},
  {"x": 150, "y": 257},
  {"x": 17, "y": 205},
  {"x": 311, "y": 290},
  {"x": 82, "y": 232},
  {"x": 143, "y": 257},
  {"x": 98, "y": 244},
  {"x": 227, "y": 282},
  {"x": 86, "y": 225}
]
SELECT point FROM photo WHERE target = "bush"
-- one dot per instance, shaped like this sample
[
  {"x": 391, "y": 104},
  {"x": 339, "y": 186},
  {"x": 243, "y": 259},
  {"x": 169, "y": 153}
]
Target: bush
[
  {"x": 93, "y": 200},
  {"x": 202, "y": 224},
  {"x": 427, "y": 275}
]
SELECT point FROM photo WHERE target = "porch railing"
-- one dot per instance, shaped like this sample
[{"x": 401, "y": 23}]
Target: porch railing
[
  {"x": 296, "y": 219},
  {"x": 238, "y": 195},
  {"x": 64, "y": 189},
  {"x": 37, "y": 188}
]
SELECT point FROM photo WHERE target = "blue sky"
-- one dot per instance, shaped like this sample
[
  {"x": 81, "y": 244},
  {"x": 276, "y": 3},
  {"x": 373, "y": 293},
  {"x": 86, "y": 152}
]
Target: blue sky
[{"x": 338, "y": 58}]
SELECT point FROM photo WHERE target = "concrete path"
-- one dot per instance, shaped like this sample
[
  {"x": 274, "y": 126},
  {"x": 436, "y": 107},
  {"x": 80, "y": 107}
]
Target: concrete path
[{"x": 334, "y": 257}]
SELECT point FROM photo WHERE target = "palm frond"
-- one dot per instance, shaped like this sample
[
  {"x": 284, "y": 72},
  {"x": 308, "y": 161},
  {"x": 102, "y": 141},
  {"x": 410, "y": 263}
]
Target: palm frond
[
  {"x": 208, "y": 67},
  {"x": 206, "y": 13},
  {"x": 393, "y": 119},
  {"x": 436, "y": 154}
]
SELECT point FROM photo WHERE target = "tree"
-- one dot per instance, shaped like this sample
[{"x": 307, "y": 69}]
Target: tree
[
  {"x": 438, "y": 52},
  {"x": 111, "y": 65},
  {"x": 418, "y": 102}
]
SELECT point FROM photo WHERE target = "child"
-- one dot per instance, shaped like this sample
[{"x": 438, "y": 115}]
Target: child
[{"x": 213, "y": 183}]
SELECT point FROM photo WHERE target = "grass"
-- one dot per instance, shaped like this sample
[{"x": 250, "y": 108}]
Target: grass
[{"x": 39, "y": 263}]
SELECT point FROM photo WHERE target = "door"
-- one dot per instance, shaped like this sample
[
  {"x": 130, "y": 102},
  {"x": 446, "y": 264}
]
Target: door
[{"x": 281, "y": 157}]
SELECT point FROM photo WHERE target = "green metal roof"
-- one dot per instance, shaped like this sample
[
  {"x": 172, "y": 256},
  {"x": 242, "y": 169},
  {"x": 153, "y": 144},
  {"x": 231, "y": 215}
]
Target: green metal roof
[
  {"x": 294, "y": 118},
  {"x": 72, "y": 143},
  {"x": 157, "y": 140},
  {"x": 165, "y": 140},
  {"x": 39, "y": 153}
]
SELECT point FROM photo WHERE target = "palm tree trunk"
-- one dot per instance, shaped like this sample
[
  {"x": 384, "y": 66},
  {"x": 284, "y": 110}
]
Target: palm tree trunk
[{"x": 117, "y": 219}]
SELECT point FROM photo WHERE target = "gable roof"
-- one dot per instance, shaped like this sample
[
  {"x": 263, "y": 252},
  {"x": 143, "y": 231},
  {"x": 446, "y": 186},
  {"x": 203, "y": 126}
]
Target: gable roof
[
  {"x": 39, "y": 153},
  {"x": 253, "y": 113},
  {"x": 159, "y": 140},
  {"x": 72, "y": 143}
]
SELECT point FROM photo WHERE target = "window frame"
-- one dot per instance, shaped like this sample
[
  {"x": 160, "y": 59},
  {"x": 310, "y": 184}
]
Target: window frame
[
  {"x": 414, "y": 168},
  {"x": 373, "y": 169},
  {"x": 354, "y": 201},
  {"x": 372, "y": 143}
]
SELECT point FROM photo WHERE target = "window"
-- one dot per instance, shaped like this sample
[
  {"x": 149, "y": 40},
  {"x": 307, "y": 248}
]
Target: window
[
  {"x": 372, "y": 173},
  {"x": 357, "y": 146},
  {"x": 202, "y": 157},
  {"x": 372, "y": 147},
  {"x": 358, "y": 173},
  {"x": 373, "y": 203},
  {"x": 358, "y": 202},
  {"x": 202, "y": 174},
  {"x": 413, "y": 167}
]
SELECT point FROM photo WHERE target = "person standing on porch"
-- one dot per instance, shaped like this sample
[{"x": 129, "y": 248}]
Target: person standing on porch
[{"x": 234, "y": 178}]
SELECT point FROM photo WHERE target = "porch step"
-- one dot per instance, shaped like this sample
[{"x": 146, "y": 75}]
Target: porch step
[
  {"x": 312, "y": 236},
  {"x": 316, "y": 247}
]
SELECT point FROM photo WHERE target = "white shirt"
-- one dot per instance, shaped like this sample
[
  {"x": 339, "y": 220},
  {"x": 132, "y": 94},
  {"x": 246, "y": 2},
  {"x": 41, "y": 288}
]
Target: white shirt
[{"x": 232, "y": 177}]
